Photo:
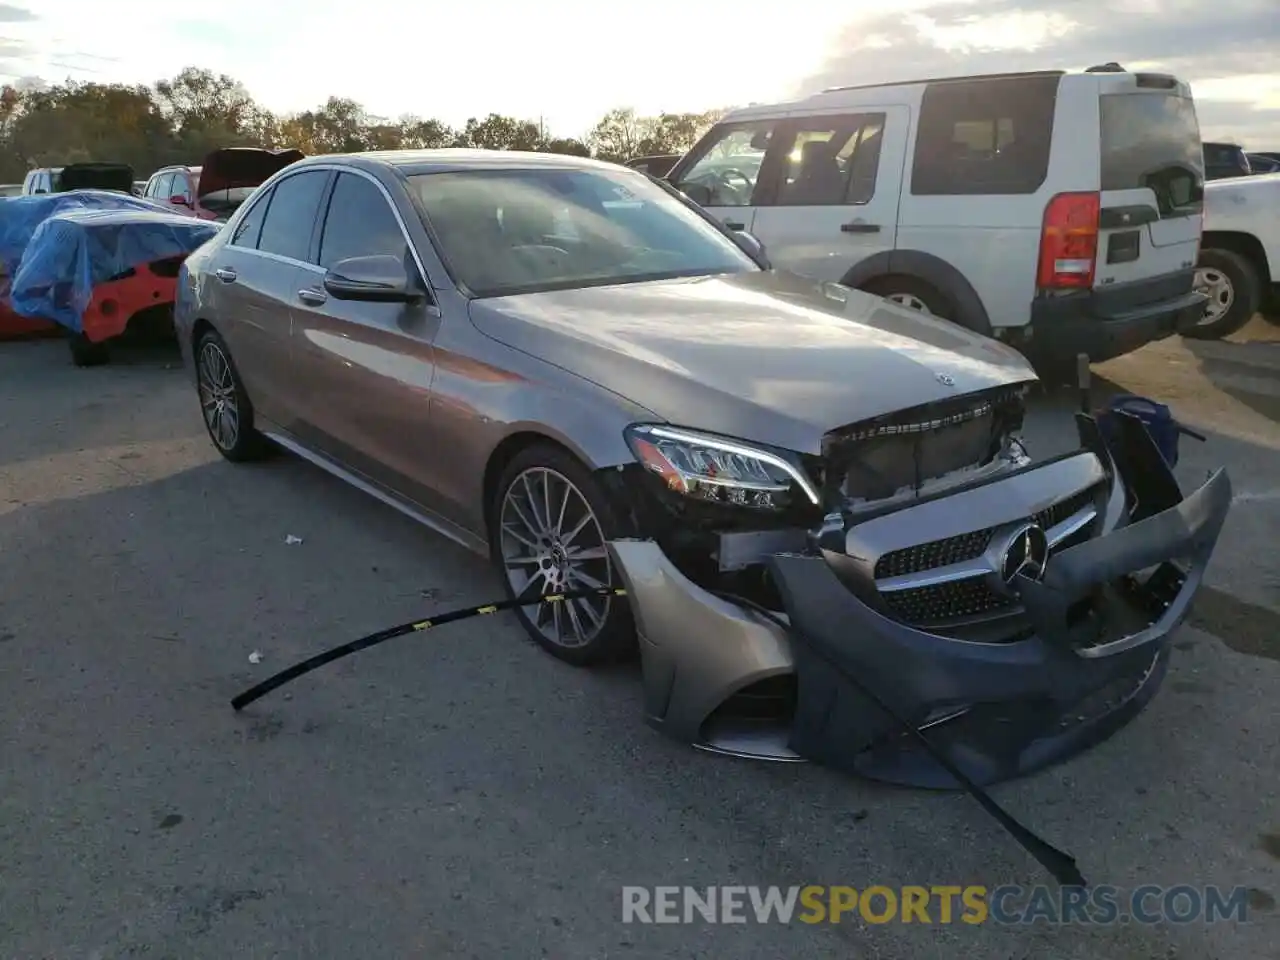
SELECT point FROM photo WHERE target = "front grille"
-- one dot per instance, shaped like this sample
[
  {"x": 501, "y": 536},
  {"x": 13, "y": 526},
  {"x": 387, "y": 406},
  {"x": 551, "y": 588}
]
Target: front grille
[
  {"x": 967, "y": 546},
  {"x": 943, "y": 602},
  {"x": 935, "y": 553},
  {"x": 970, "y": 598},
  {"x": 1053, "y": 515}
]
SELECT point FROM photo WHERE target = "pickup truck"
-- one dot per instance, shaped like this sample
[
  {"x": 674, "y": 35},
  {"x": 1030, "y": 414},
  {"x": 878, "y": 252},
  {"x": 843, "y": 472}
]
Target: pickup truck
[{"x": 1239, "y": 266}]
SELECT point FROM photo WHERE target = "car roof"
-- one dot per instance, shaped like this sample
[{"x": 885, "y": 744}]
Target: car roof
[
  {"x": 457, "y": 159},
  {"x": 908, "y": 91}
]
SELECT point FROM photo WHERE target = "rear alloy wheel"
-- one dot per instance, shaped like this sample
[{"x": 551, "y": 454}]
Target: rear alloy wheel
[
  {"x": 1231, "y": 284},
  {"x": 550, "y": 524},
  {"x": 227, "y": 412}
]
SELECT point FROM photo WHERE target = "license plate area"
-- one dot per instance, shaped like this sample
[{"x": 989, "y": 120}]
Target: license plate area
[{"x": 1124, "y": 247}]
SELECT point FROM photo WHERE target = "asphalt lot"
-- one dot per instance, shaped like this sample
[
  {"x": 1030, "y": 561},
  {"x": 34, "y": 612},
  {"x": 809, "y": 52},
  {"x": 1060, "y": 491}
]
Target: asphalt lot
[{"x": 462, "y": 794}]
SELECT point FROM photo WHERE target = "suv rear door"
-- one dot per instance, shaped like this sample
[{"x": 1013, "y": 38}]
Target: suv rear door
[
  {"x": 1152, "y": 180},
  {"x": 829, "y": 195}
]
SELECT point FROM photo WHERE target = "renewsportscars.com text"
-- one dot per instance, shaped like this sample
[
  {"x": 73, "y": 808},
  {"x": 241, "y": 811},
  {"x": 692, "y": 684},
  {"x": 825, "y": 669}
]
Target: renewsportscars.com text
[{"x": 937, "y": 904}]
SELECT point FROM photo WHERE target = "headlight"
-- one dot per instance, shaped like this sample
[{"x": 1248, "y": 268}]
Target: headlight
[{"x": 718, "y": 470}]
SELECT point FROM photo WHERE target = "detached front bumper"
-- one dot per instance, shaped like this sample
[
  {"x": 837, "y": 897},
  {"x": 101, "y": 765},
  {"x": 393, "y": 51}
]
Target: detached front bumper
[{"x": 1090, "y": 652}]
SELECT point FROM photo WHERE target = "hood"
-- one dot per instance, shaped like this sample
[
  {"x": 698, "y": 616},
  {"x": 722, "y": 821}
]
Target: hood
[
  {"x": 233, "y": 167},
  {"x": 96, "y": 176},
  {"x": 765, "y": 356}
]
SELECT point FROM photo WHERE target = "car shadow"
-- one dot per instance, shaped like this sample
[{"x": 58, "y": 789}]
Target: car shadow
[
  {"x": 1245, "y": 366},
  {"x": 49, "y": 407}
]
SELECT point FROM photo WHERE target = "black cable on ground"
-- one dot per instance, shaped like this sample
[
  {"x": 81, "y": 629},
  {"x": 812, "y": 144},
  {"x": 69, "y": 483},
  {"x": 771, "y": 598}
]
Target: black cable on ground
[
  {"x": 1060, "y": 864},
  {"x": 382, "y": 636}
]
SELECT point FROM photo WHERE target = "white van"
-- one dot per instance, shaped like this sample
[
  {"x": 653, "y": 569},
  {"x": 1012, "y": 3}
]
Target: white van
[{"x": 1059, "y": 212}]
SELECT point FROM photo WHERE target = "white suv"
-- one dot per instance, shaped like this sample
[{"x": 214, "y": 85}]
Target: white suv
[{"x": 1059, "y": 212}]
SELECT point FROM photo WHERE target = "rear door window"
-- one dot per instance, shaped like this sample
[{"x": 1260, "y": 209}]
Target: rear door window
[
  {"x": 984, "y": 137},
  {"x": 360, "y": 223},
  {"x": 290, "y": 218}
]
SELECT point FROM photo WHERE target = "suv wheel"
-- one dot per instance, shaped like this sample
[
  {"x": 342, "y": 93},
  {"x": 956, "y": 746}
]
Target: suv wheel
[
  {"x": 913, "y": 294},
  {"x": 1234, "y": 292},
  {"x": 549, "y": 523}
]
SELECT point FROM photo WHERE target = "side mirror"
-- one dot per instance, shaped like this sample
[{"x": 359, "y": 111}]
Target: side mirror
[
  {"x": 180, "y": 200},
  {"x": 751, "y": 244},
  {"x": 378, "y": 279},
  {"x": 699, "y": 193}
]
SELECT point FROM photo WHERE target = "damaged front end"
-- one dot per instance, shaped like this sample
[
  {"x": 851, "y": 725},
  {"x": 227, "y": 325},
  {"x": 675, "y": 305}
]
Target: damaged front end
[{"x": 1018, "y": 612}]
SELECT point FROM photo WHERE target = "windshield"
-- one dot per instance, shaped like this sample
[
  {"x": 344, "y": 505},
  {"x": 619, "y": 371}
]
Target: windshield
[
  {"x": 1152, "y": 140},
  {"x": 503, "y": 232}
]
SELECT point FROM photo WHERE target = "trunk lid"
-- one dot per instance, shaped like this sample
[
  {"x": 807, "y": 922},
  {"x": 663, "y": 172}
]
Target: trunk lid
[
  {"x": 96, "y": 176},
  {"x": 1152, "y": 179},
  {"x": 235, "y": 168}
]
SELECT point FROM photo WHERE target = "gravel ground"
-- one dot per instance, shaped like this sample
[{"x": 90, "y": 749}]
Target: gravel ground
[{"x": 464, "y": 795}]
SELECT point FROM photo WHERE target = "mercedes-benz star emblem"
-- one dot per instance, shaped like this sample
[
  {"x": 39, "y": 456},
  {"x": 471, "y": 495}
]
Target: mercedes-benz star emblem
[
  {"x": 945, "y": 380},
  {"x": 1027, "y": 555}
]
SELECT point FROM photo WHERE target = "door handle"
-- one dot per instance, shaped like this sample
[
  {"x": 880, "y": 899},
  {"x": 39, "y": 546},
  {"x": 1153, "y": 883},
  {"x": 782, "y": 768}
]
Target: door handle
[
  {"x": 860, "y": 226},
  {"x": 225, "y": 274},
  {"x": 735, "y": 225},
  {"x": 312, "y": 296}
]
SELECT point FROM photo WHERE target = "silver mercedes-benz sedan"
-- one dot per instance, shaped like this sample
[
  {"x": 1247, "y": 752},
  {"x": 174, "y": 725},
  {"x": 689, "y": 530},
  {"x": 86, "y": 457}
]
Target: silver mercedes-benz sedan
[{"x": 571, "y": 368}]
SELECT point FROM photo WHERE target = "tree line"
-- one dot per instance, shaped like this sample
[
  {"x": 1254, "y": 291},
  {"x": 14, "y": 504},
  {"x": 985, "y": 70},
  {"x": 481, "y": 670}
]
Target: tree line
[{"x": 181, "y": 119}]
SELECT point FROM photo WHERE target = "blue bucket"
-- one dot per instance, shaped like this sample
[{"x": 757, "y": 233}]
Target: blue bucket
[{"x": 1157, "y": 418}]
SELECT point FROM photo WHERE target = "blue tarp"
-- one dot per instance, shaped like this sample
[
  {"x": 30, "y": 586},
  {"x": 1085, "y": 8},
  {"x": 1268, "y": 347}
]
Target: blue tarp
[
  {"x": 73, "y": 250},
  {"x": 20, "y": 216}
]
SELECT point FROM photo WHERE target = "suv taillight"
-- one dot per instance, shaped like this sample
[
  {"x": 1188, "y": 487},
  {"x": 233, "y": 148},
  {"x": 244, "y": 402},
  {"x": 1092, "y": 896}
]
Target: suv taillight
[{"x": 1069, "y": 242}]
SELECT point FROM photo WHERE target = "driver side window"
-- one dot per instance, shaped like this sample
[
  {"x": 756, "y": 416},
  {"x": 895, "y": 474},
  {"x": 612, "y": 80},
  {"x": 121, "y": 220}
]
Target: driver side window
[{"x": 725, "y": 173}]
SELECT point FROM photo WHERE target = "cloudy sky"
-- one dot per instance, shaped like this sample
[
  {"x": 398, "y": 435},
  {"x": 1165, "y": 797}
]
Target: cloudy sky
[{"x": 568, "y": 61}]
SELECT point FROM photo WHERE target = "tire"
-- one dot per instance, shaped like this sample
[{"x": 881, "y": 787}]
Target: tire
[
  {"x": 913, "y": 294},
  {"x": 86, "y": 353},
  {"x": 1232, "y": 283},
  {"x": 584, "y": 632},
  {"x": 221, "y": 392}
]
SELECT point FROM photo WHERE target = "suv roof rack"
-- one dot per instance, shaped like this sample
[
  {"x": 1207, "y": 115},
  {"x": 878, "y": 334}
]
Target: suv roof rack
[{"x": 975, "y": 76}]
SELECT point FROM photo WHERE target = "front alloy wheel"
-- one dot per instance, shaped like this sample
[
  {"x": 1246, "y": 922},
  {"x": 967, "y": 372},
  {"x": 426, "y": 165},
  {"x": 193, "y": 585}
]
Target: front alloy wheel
[
  {"x": 550, "y": 523},
  {"x": 552, "y": 542}
]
